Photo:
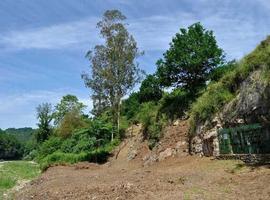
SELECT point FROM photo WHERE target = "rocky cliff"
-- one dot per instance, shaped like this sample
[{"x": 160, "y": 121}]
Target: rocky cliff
[{"x": 251, "y": 103}]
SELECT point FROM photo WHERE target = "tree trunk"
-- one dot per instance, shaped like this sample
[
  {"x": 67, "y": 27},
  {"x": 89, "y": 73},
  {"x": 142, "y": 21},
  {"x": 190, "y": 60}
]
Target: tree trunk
[{"x": 118, "y": 117}]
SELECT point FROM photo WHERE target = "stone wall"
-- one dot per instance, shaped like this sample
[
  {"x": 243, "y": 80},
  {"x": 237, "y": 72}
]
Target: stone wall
[{"x": 247, "y": 158}]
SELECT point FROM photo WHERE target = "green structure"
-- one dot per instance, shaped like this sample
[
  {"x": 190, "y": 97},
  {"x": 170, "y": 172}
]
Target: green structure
[{"x": 245, "y": 139}]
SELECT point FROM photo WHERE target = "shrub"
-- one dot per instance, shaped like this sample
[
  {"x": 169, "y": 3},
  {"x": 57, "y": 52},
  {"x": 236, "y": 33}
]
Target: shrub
[
  {"x": 175, "y": 104},
  {"x": 71, "y": 121},
  {"x": 152, "y": 123},
  {"x": 61, "y": 158},
  {"x": 50, "y": 146},
  {"x": 130, "y": 106}
]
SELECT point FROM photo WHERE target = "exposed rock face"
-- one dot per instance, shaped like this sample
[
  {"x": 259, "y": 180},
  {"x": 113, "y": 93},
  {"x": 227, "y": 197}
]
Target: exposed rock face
[
  {"x": 251, "y": 105},
  {"x": 172, "y": 144},
  {"x": 206, "y": 140}
]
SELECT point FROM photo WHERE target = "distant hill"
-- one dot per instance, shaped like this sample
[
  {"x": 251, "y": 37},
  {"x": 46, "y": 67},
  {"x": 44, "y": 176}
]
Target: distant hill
[{"x": 21, "y": 134}]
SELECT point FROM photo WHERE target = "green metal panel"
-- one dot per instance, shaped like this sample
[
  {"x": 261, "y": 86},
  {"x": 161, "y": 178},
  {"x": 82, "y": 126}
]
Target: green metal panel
[{"x": 252, "y": 138}]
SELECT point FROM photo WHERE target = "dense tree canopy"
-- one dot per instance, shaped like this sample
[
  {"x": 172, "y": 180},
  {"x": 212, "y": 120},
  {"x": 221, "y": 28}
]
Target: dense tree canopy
[
  {"x": 192, "y": 55},
  {"x": 10, "y": 148},
  {"x": 68, "y": 103},
  {"x": 150, "y": 89}
]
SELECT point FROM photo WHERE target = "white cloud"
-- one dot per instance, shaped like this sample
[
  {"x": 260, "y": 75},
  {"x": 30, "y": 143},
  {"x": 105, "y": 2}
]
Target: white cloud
[
  {"x": 153, "y": 33},
  {"x": 52, "y": 37},
  {"x": 19, "y": 109}
]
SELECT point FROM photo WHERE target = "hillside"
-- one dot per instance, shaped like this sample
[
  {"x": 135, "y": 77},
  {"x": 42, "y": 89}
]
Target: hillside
[
  {"x": 240, "y": 97},
  {"x": 178, "y": 177},
  {"x": 21, "y": 134}
]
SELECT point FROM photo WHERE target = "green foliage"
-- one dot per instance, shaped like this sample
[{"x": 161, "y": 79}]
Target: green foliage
[
  {"x": 98, "y": 155},
  {"x": 150, "y": 89},
  {"x": 10, "y": 147},
  {"x": 114, "y": 70},
  {"x": 220, "y": 71},
  {"x": 131, "y": 105},
  {"x": 86, "y": 144},
  {"x": 68, "y": 104},
  {"x": 219, "y": 93},
  {"x": 69, "y": 123},
  {"x": 175, "y": 104},
  {"x": 193, "y": 54},
  {"x": 49, "y": 146},
  {"x": 61, "y": 158},
  {"x": 148, "y": 116},
  {"x": 44, "y": 115},
  {"x": 21, "y": 134}
]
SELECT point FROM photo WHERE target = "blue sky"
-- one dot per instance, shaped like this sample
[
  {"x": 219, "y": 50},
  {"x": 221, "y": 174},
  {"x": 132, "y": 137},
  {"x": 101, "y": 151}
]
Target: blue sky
[{"x": 43, "y": 42}]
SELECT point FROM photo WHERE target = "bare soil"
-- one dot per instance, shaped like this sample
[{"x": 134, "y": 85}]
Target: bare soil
[
  {"x": 187, "y": 177},
  {"x": 179, "y": 177}
]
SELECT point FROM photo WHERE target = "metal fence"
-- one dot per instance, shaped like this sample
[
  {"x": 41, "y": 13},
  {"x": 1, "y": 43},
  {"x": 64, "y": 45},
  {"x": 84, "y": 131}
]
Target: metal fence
[{"x": 245, "y": 139}]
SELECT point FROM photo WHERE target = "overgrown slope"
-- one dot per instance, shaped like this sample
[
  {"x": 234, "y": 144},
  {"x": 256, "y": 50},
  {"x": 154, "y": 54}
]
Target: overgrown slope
[{"x": 220, "y": 93}]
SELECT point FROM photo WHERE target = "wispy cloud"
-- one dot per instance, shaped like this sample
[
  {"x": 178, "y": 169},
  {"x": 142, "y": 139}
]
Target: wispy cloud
[
  {"x": 19, "y": 108},
  {"x": 153, "y": 33},
  {"x": 52, "y": 37}
]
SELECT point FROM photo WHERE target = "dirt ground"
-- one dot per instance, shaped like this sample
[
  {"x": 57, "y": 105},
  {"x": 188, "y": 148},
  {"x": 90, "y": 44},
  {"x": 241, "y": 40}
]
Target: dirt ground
[
  {"x": 187, "y": 177},
  {"x": 179, "y": 177}
]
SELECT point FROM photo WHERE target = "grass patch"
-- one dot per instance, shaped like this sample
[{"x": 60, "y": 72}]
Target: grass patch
[{"x": 12, "y": 172}]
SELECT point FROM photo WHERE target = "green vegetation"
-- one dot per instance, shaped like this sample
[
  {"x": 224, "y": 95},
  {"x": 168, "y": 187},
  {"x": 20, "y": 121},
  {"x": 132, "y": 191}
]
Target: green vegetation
[
  {"x": 225, "y": 89},
  {"x": 44, "y": 115},
  {"x": 23, "y": 135},
  {"x": 192, "y": 59},
  {"x": 114, "y": 70},
  {"x": 14, "y": 171},
  {"x": 10, "y": 147},
  {"x": 192, "y": 80},
  {"x": 192, "y": 56},
  {"x": 86, "y": 144}
]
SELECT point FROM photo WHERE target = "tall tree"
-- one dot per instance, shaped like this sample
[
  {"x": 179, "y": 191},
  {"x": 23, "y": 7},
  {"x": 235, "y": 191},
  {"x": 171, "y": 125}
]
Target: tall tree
[
  {"x": 192, "y": 55},
  {"x": 44, "y": 116},
  {"x": 69, "y": 103},
  {"x": 114, "y": 70}
]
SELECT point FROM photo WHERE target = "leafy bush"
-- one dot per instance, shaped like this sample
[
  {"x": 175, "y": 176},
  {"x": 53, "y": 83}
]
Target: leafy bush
[
  {"x": 49, "y": 146},
  {"x": 152, "y": 124},
  {"x": 130, "y": 106},
  {"x": 61, "y": 158},
  {"x": 87, "y": 144},
  {"x": 69, "y": 123},
  {"x": 150, "y": 89},
  {"x": 98, "y": 155},
  {"x": 175, "y": 104},
  {"x": 220, "y": 71}
]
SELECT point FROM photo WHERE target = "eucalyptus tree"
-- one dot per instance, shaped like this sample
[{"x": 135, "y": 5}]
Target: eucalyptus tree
[{"x": 114, "y": 70}]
